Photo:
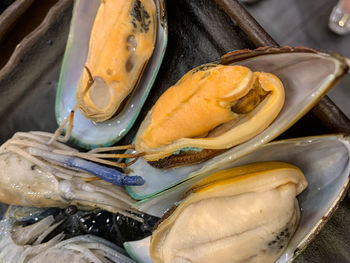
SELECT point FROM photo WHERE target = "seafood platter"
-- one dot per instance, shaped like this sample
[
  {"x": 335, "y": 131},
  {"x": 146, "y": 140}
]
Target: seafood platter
[{"x": 161, "y": 155}]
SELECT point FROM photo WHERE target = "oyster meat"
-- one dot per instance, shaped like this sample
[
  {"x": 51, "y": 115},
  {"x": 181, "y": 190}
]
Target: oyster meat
[
  {"x": 213, "y": 107},
  {"x": 252, "y": 207},
  {"x": 122, "y": 41}
]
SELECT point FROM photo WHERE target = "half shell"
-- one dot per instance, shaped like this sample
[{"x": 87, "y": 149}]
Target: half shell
[
  {"x": 121, "y": 43},
  {"x": 212, "y": 107},
  {"x": 306, "y": 75},
  {"x": 87, "y": 133},
  {"x": 325, "y": 162}
]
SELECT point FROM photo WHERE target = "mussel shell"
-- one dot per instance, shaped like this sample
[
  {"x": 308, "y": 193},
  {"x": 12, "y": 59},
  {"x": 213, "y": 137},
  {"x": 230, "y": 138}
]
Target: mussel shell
[
  {"x": 306, "y": 75},
  {"x": 86, "y": 133},
  {"x": 325, "y": 162},
  {"x": 113, "y": 227}
]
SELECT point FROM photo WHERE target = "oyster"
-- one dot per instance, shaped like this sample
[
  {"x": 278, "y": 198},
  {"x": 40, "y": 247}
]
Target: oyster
[
  {"x": 325, "y": 161},
  {"x": 121, "y": 45},
  {"x": 306, "y": 75},
  {"x": 260, "y": 202}
]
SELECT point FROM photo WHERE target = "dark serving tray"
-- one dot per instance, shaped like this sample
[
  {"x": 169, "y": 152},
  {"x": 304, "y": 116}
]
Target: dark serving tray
[{"x": 199, "y": 32}]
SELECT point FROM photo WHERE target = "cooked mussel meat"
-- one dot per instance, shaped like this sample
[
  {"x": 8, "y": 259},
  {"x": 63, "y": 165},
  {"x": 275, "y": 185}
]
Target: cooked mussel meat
[
  {"x": 244, "y": 214},
  {"x": 122, "y": 41},
  {"x": 212, "y": 108}
]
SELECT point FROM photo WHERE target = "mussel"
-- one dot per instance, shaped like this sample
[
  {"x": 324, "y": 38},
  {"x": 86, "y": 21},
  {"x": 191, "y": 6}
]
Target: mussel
[
  {"x": 325, "y": 162},
  {"x": 212, "y": 107},
  {"x": 122, "y": 41},
  {"x": 121, "y": 45},
  {"x": 252, "y": 207},
  {"x": 190, "y": 124}
]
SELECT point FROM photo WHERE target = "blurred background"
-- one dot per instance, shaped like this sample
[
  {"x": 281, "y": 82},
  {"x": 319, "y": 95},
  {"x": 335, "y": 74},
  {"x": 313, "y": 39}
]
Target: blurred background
[{"x": 305, "y": 23}]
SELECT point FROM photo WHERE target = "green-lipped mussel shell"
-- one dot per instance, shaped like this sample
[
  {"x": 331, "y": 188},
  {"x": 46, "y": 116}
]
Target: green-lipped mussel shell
[
  {"x": 86, "y": 133},
  {"x": 306, "y": 75},
  {"x": 324, "y": 160}
]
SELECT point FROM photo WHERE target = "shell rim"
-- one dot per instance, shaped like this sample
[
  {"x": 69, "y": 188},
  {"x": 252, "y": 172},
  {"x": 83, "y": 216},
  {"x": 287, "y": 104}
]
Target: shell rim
[
  {"x": 340, "y": 136},
  {"x": 307, "y": 240}
]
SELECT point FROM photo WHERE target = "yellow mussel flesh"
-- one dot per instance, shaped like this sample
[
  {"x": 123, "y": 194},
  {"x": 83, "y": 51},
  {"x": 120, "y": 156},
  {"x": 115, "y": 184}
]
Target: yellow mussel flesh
[
  {"x": 122, "y": 41},
  {"x": 213, "y": 107}
]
